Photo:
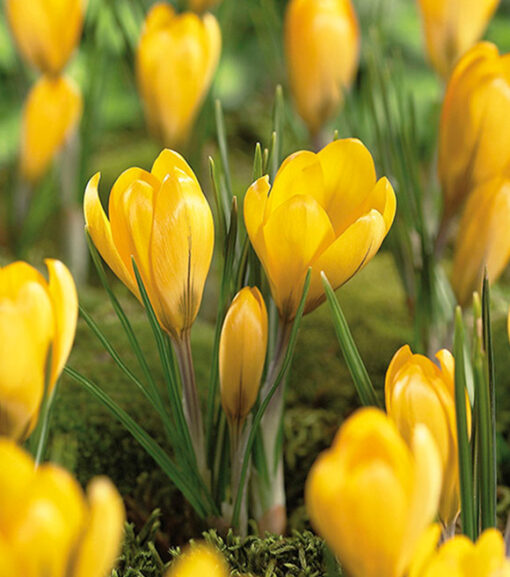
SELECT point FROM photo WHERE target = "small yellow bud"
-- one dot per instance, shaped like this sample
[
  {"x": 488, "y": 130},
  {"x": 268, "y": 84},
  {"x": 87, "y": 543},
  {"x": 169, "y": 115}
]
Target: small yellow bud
[
  {"x": 199, "y": 561},
  {"x": 322, "y": 44},
  {"x": 372, "y": 497},
  {"x": 243, "y": 346}
]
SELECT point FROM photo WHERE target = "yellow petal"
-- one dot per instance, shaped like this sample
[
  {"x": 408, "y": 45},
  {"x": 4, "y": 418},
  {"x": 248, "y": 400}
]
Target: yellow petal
[
  {"x": 197, "y": 560},
  {"x": 242, "y": 352},
  {"x": 180, "y": 250},
  {"x": 254, "y": 209},
  {"x": 101, "y": 543},
  {"x": 51, "y": 114},
  {"x": 64, "y": 300},
  {"x": 98, "y": 226},
  {"x": 424, "y": 550},
  {"x": 46, "y": 32},
  {"x": 167, "y": 161},
  {"x": 295, "y": 234},
  {"x": 400, "y": 358}
]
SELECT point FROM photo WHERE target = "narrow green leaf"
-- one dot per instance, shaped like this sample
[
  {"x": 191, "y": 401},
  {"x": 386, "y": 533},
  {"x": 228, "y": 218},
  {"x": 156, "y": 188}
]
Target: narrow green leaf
[
  {"x": 258, "y": 167},
  {"x": 218, "y": 201},
  {"x": 362, "y": 382},
  {"x": 265, "y": 402},
  {"x": 464, "y": 448},
  {"x": 222, "y": 143},
  {"x": 276, "y": 148}
]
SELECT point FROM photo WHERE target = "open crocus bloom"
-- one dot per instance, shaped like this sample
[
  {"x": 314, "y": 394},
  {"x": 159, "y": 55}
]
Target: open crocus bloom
[
  {"x": 162, "y": 220},
  {"x": 326, "y": 211},
  {"x": 47, "y": 526},
  {"x": 175, "y": 64},
  {"x": 34, "y": 316},
  {"x": 372, "y": 497}
]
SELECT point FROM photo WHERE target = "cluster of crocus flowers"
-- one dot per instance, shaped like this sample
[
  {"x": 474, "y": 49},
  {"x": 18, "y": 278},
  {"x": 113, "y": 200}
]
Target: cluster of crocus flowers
[
  {"x": 47, "y": 34},
  {"x": 242, "y": 353},
  {"x": 461, "y": 557},
  {"x": 474, "y": 162},
  {"x": 322, "y": 45},
  {"x": 48, "y": 528},
  {"x": 162, "y": 220},
  {"x": 176, "y": 60},
  {"x": 372, "y": 496},
  {"x": 326, "y": 211},
  {"x": 418, "y": 391},
  {"x": 451, "y": 28},
  {"x": 37, "y": 319}
]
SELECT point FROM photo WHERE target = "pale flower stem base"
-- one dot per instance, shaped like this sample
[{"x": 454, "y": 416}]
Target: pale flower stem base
[
  {"x": 448, "y": 531},
  {"x": 238, "y": 440},
  {"x": 21, "y": 203},
  {"x": 273, "y": 519},
  {"x": 190, "y": 400}
]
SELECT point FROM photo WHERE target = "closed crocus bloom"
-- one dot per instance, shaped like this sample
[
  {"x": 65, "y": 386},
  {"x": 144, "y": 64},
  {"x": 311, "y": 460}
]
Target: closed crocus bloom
[
  {"x": 474, "y": 135},
  {"x": 46, "y": 31},
  {"x": 242, "y": 354},
  {"x": 176, "y": 60},
  {"x": 452, "y": 27},
  {"x": 161, "y": 219},
  {"x": 51, "y": 114},
  {"x": 322, "y": 44},
  {"x": 34, "y": 316},
  {"x": 460, "y": 557},
  {"x": 48, "y": 526},
  {"x": 371, "y": 496},
  {"x": 326, "y": 211},
  {"x": 197, "y": 561},
  {"x": 418, "y": 391},
  {"x": 483, "y": 239}
]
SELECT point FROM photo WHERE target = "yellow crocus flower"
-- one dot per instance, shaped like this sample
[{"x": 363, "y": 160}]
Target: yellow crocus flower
[
  {"x": 52, "y": 112},
  {"x": 46, "y": 31},
  {"x": 326, "y": 211},
  {"x": 162, "y": 219},
  {"x": 418, "y": 391},
  {"x": 198, "y": 561},
  {"x": 47, "y": 526},
  {"x": 371, "y": 496},
  {"x": 483, "y": 239},
  {"x": 176, "y": 60},
  {"x": 460, "y": 557},
  {"x": 451, "y": 28},
  {"x": 322, "y": 45},
  {"x": 242, "y": 353},
  {"x": 474, "y": 135},
  {"x": 34, "y": 316}
]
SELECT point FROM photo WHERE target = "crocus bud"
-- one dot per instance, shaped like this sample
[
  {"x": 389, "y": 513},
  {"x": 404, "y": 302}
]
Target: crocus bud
[
  {"x": 161, "y": 219},
  {"x": 371, "y": 496},
  {"x": 418, "y": 391},
  {"x": 46, "y": 32},
  {"x": 451, "y": 28},
  {"x": 326, "y": 211},
  {"x": 463, "y": 558},
  {"x": 202, "y": 5},
  {"x": 52, "y": 113},
  {"x": 322, "y": 44},
  {"x": 49, "y": 527},
  {"x": 175, "y": 64},
  {"x": 243, "y": 346},
  {"x": 198, "y": 560},
  {"x": 474, "y": 135},
  {"x": 483, "y": 239},
  {"x": 34, "y": 315}
]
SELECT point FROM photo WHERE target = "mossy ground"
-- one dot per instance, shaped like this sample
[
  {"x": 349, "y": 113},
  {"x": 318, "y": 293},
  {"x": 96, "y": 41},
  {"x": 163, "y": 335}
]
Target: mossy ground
[{"x": 320, "y": 394}]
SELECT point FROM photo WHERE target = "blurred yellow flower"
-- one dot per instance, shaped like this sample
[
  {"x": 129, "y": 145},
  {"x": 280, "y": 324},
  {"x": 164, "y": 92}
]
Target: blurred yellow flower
[
  {"x": 322, "y": 45},
  {"x": 326, "y": 211},
  {"x": 483, "y": 239},
  {"x": 460, "y": 557},
  {"x": 199, "y": 560},
  {"x": 52, "y": 112},
  {"x": 474, "y": 136},
  {"x": 418, "y": 391},
  {"x": 176, "y": 60},
  {"x": 372, "y": 497},
  {"x": 46, "y": 32},
  {"x": 47, "y": 526},
  {"x": 242, "y": 353},
  {"x": 452, "y": 27},
  {"x": 34, "y": 316},
  {"x": 202, "y": 5},
  {"x": 162, "y": 219}
]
